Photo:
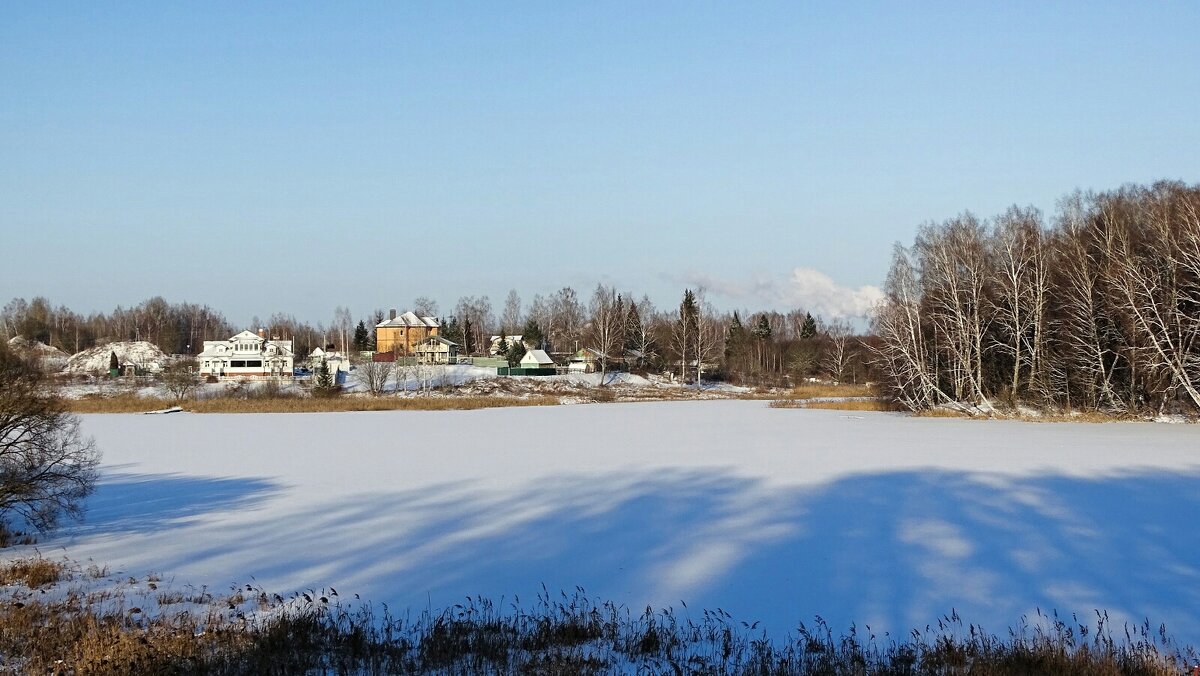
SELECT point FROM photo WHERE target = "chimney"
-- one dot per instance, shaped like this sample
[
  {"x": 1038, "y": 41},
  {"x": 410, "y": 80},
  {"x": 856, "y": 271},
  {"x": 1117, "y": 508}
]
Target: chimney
[
  {"x": 392, "y": 313},
  {"x": 262, "y": 333}
]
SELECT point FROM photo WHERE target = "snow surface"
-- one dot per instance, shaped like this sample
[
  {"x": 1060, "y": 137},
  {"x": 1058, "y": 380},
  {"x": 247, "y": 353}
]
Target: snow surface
[{"x": 770, "y": 514}]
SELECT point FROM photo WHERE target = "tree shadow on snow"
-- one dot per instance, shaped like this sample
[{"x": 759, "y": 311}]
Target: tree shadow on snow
[
  {"x": 894, "y": 550},
  {"x": 146, "y": 503}
]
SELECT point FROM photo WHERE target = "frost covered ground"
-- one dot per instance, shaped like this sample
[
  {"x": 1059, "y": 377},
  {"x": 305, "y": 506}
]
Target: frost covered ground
[{"x": 769, "y": 514}]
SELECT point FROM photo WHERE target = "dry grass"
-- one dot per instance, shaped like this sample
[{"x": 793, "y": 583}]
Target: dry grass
[
  {"x": 851, "y": 405},
  {"x": 940, "y": 413},
  {"x": 119, "y": 403},
  {"x": 132, "y": 404},
  {"x": 1081, "y": 416},
  {"x": 829, "y": 391},
  {"x": 1046, "y": 417},
  {"x": 559, "y": 634},
  {"x": 835, "y": 404},
  {"x": 319, "y": 405},
  {"x": 33, "y": 572}
]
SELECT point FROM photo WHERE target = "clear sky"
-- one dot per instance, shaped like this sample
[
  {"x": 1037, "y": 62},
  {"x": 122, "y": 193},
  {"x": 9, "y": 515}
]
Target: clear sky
[{"x": 293, "y": 157}]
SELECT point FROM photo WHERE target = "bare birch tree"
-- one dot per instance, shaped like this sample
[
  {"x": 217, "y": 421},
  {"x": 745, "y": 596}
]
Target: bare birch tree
[
  {"x": 954, "y": 277},
  {"x": 904, "y": 354},
  {"x": 606, "y": 329},
  {"x": 1156, "y": 277},
  {"x": 1021, "y": 283},
  {"x": 510, "y": 320},
  {"x": 839, "y": 334}
]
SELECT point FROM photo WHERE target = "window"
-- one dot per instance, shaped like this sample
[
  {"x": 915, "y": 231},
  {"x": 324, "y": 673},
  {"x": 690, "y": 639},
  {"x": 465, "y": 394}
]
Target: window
[
  {"x": 237, "y": 363},
  {"x": 254, "y": 363}
]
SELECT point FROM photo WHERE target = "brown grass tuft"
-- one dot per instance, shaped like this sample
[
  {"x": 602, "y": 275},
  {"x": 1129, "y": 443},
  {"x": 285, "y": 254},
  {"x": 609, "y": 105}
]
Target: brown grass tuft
[{"x": 33, "y": 573}]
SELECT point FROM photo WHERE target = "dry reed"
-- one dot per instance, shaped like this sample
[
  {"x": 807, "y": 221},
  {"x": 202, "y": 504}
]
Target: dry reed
[
  {"x": 133, "y": 404},
  {"x": 829, "y": 391},
  {"x": 96, "y": 633}
]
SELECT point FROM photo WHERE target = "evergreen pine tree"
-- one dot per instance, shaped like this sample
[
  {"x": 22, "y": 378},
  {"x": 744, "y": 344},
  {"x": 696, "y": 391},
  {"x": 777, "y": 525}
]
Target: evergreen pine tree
[
  {"x": 633, "y": 327},
  {"x": 689, "y": 329},
  {"x": 361, "y": 337},
  {"x": 735, "y": 340},
  {"x": 810, "y": 326},
  {"x": 532, "y": 335},
  {"x": 324, "y": 381},
  {"x": 762, "y": 329},
  {"x": 114, "y": 364},
  {"x": 689, "y": 313},
  {"x": 515, "y": 352},
  {"x": 452, "y": 331}
]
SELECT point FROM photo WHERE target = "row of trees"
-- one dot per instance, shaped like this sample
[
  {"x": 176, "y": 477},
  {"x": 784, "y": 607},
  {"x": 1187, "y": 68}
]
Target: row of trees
[
  {"x": 178, "y": 328},
  {"x": 1098, "y": 310},
  {"x": 690, "y": 341}
]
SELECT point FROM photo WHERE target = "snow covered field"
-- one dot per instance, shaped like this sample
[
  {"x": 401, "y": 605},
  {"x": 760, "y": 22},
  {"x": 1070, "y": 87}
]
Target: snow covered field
[{"x": 770, "y": 514}]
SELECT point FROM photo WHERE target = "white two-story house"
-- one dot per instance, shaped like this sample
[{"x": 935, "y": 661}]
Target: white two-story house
[{"x": 246, "y": 355}]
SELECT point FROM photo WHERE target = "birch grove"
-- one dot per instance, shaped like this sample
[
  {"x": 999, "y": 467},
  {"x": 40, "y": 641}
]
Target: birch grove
[{"x": 1100, "y": 311}]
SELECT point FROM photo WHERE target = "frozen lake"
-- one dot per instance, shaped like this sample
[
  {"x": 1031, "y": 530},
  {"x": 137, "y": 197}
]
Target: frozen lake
[{"x": 770, "y": 514}]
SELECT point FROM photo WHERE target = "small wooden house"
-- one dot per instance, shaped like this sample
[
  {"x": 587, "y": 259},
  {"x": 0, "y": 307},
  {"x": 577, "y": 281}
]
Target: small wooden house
[
  {"x": 436, "y": 350},
  {"x": 537, "y": 359}
]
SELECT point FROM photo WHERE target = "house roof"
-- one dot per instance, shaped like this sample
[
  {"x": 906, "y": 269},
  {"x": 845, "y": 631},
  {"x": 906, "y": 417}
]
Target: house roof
[
  {"x": 437, "y": 339},
  {"x": 538, "y": 356},
  {"x": 410, "y": 319},
  {"x": 588, "y": 351},
  {"x": 212, "y": 347}
]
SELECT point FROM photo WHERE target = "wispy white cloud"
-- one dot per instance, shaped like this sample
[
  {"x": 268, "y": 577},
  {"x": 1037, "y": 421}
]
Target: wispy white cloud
[{"x": 805, "y": 288}]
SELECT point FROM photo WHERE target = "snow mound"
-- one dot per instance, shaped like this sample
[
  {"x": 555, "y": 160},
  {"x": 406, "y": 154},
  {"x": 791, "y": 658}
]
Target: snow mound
[
  {"x": 96, "y": 360},
  {"x": 51, "y": 358}
]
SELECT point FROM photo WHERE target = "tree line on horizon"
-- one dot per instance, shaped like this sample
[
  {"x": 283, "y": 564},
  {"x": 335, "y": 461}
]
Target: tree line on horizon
[
  {"x": 1098, "y": 309},
  {"x": 691, "y": 341}
]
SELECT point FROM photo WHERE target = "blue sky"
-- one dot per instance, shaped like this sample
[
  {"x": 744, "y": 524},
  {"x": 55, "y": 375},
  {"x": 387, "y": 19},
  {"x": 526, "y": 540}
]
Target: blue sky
[{"x": 294, "y": 157}]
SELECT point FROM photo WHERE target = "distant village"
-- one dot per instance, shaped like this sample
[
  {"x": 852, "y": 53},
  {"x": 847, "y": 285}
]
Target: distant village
[{"x": 554, "y": 335}]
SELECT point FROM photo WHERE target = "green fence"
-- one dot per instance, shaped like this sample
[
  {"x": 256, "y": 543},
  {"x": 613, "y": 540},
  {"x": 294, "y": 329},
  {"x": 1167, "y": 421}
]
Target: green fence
[{"x": 518, "y": 371}]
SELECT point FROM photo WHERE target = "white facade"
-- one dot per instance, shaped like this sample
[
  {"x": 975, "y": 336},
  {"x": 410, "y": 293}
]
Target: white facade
[
  {"x": 246, "y": 355},
  {"x": 436, "y": 350}
]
